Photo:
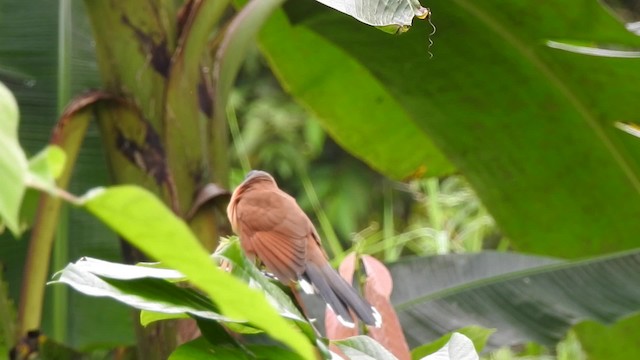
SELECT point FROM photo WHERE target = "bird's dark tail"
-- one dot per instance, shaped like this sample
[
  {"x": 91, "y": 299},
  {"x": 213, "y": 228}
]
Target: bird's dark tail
[{"x": 340, "y": 296}]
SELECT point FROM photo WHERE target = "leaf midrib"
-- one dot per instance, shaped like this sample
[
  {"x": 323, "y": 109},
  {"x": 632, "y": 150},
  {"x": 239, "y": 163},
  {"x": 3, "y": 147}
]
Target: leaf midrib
[{"x": 509, "y": 276}]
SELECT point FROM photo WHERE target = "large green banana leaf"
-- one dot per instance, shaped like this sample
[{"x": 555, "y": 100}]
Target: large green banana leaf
[{"x": 532, "y": 128}]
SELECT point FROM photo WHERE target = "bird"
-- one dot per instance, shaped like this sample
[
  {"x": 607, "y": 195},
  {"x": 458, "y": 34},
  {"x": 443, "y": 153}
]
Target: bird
[{"x": 274, "y": 230}]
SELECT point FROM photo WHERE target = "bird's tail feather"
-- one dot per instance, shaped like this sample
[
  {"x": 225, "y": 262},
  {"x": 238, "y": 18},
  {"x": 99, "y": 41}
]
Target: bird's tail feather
[{"x": 341, "y": 296}]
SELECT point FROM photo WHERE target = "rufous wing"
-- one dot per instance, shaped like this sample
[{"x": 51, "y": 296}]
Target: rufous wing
[{"x": 273, "y": 228}]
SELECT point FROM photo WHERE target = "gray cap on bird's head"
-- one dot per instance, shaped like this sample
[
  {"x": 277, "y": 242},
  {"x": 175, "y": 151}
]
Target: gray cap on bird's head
[{"x": 256, "y": 175}]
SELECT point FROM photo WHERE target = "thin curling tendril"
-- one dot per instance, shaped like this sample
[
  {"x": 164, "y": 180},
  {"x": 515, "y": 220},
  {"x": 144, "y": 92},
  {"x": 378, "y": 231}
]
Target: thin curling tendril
[{"x": 430, "y": 35}]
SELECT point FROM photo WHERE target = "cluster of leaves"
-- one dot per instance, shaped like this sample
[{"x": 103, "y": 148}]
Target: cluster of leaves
[{"x": 127, "y": 210}]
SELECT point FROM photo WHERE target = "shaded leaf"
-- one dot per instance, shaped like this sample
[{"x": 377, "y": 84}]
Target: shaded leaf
[
  {"x": 129, "y": 210},
  {"x": 526, "y": 298},
  {"x": 201, "y": 349},
  {"x": 627, "y": 11}
]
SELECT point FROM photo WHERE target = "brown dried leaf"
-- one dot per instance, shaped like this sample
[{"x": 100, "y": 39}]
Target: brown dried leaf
[
  {"x": 377, "y": 290},
  {"x": 209, "y": 193}
]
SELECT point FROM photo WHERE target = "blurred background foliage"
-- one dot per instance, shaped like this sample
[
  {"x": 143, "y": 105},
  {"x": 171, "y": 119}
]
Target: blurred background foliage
[
  {"x": 388, "y": 218},
  {"x": 470, "y": 89}
]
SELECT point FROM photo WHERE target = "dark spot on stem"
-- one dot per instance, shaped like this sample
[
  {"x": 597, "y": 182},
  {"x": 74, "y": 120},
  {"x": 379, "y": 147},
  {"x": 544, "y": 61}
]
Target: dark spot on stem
[
  {"x": 159, "y": 54},
  {"x": 205, "y": 98},
  {"x": 149, "y": 156}
]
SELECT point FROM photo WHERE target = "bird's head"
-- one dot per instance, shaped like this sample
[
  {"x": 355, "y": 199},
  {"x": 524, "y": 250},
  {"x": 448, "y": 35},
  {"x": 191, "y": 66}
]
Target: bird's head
[{"x": 257, "y": 176}]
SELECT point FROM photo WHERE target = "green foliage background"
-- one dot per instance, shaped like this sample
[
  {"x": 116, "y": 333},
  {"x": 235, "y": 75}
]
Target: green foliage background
[{"x": 529, "y": 127}]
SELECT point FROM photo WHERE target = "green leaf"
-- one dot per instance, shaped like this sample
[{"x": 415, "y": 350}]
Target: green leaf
[
  {"x": 147, "y": 317},
  {"x": 243, "y": 268},
  {"x": 477, "y": 334},
  {"x": 246, "y": 269},
  {"x": 48, "y": 164},
  {"x": 201, "y": 349},
  {"x": 530, "y": 127},
  {"x": 130, "y": 210},
  {"x": 397, "y": 15},
  {"x": 144, "y": 288},
  {"x": 138, "y": 287},
  {"x": 459, "y": 347},
  {"x": 352, "y": 104},
  {"x": 13, "y": 162},
  {"x": 45, "y": 167},
  {"x": 525, "y": 298},
  {"x": 363, "y": 347},
  {"x": 9, "y": 113}
]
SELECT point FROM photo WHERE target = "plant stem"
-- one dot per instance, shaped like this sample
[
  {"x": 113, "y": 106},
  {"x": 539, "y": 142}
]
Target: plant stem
[
  {"x": 391, "y": 250},
  {"x": 60, "y": 294},
  {"x": 36, "y": 266},
  {"x": 331, "y": 237},
  {"x": 238, "y": 142}
]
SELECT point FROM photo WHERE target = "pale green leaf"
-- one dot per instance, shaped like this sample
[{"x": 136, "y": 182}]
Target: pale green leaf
[
  {"x": 13, "y": 162},
  {"x": 140, "y": 292},
  {"x": 45, "y": 167},
  {"x": 477, "y": 334},
  {"x": 459, "y": 347},
  {"x": 363, "y": 347},
  {"x": 48, "y": 163},
  {"x": 396, "y": 14},
  {"x": 147, "y": 316},
  {"x": 200, "y": 349}
]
